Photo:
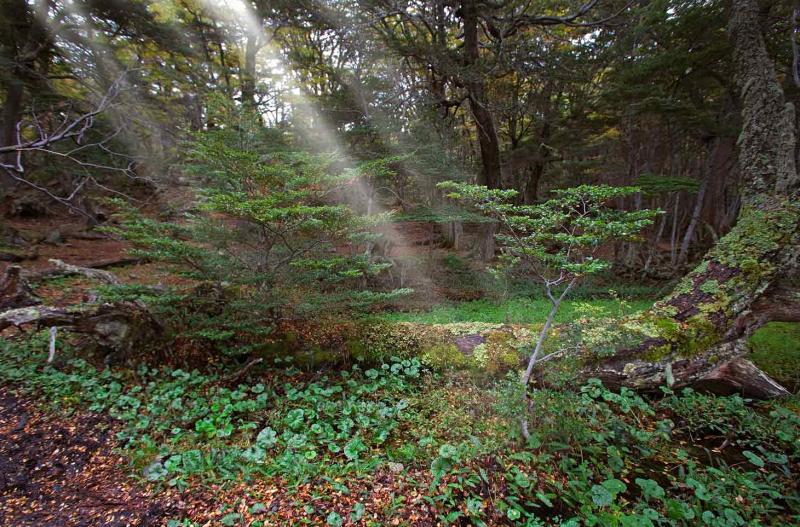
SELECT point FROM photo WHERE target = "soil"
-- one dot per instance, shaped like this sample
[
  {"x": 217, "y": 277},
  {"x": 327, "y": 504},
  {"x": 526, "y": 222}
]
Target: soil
[{"x": 61, "y": 471}]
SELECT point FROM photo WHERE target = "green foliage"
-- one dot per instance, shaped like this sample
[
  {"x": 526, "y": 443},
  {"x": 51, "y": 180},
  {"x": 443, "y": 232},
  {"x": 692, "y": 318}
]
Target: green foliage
[
  {"x": 178, "y": 424},
  {"x": 596, "y": 457},
  {"x": 561, "y": 235},
  {"x": 516, "y": 311},
  {"x": 269, "y": 240},
  {"x": 656, "y": 184},
  {"x": 605, "y": 458}
]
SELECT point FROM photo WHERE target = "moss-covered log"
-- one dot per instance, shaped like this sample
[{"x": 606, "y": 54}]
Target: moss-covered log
[
  {"x": 698, "y": 331},
  {"x": 483, "y": 348}
]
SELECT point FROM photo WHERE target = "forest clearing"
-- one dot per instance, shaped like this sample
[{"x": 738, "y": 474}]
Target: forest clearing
[{"x": 399, "y": 263}]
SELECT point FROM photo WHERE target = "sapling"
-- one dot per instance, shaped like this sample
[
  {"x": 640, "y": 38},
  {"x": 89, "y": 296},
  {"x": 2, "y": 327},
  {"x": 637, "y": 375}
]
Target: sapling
[{"x": 556, "y": 242}]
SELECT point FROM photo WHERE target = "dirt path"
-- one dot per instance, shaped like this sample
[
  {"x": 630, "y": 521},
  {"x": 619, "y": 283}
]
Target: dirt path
[{"x": 62, "y": 472}]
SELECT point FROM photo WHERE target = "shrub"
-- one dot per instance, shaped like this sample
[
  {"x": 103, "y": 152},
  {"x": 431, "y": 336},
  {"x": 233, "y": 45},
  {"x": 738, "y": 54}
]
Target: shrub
[{"x": 271, "y": 234}]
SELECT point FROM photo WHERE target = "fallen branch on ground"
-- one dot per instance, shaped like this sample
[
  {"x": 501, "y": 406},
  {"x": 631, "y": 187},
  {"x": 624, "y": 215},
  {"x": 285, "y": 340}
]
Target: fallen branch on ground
[
  {"x": 89, "y": 272},
  {"x": 235, "y": 376}
]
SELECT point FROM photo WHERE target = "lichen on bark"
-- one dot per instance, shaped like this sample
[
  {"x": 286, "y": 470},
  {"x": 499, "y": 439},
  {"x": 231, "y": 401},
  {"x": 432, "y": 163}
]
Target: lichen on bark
[{"x": 703, "y": 322}]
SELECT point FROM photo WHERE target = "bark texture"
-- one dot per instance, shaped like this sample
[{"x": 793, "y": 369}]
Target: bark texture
[
  {"x": 697, "y": 333},
  {"x": 15, "y": 291},
  {"x": 486, "y": 130},
  {"x": 121, "y": 327}
]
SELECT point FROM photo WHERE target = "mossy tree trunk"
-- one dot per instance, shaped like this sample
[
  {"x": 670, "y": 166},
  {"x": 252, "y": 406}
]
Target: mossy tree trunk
[{"x": 697, "y": 334}]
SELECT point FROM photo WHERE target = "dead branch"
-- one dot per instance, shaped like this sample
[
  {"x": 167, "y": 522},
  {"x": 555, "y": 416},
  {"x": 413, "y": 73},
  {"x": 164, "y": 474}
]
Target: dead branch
[
  {"x": 235, "y": 376},
  {"x": 70, "y": 129},
  {"x": 66, "y": 269},
  {"x": 52, "y": 351},
  {"x": 100, "y": 264}
]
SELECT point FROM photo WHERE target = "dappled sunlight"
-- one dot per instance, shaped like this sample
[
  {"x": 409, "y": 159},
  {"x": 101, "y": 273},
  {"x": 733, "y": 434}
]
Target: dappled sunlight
[
  {"x": 399, "y": 262},
  {"x": 311, "y": 124}
]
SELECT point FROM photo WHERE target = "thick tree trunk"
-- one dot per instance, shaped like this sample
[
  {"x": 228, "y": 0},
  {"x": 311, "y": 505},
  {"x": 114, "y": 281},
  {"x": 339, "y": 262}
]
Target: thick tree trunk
[
  {"x": 25, "y": 38},
  {"x": 12, "y": 114},
  {"x": 531, "y": 195},
  {"x": 488, "y": 140},
  {"x": 698, "y": 333},
  {"x": 11, "y": 29}
]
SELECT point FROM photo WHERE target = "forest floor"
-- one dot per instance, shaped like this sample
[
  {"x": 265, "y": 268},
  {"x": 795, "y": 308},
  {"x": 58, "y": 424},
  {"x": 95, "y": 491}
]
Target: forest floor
[
  {"x": 397, "y": 444},
  {"x": 62, "y": 470}
]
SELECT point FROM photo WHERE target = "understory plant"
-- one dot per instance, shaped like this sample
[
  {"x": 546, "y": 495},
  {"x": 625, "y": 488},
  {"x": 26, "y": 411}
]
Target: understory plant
[
  {"x": 270, "y": 236},
  {"x": 555, "y": 242}
]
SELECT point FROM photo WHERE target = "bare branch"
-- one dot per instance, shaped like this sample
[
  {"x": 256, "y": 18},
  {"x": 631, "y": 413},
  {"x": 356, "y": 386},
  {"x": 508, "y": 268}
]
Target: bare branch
[
  {"x": 69, "y": 129},
  {"x": 551, "y": 20}
]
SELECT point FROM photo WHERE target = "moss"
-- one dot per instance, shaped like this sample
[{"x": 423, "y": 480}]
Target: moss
[
  {"x": 443, "y": 357},
  {"x": 710, "y": 287},
  {"x": 759, "y": 233},
  {"x": 698, "y": 335},
  {"x": 657, "y": 353},
  {"x": 498, "y": 354},
  {"x": 470, "y": 328},
  {"x": 383, "y": 340},
  {"x": 316, "y": 356},
  {"x": 480, "y": 357},
  {"x": 669, "y": 327},
  {"x": 776, "y": 350}
]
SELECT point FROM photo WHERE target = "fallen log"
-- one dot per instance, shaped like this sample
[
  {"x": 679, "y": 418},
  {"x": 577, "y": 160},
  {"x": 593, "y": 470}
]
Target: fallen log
[
  {"x": 698, "y": 332},
  {"x": 119, "y": 326},
  {"x": 723, "y": 369},
  {"x": 17, "y": 255}
]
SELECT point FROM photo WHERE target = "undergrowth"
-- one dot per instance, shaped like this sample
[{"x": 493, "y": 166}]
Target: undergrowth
[
  {"x": 597, "y": 457},
  {"x": 519, "y": 311}
]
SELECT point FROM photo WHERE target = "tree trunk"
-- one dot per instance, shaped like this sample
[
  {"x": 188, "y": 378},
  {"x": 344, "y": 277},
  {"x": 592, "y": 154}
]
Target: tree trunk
[
  {"x": 25, "y": 36},
  {"x": 698, "y": 333},
  {"x": 532, "y": 187},
  {"x": 12, "y": 114},
  {"x": 683, "y": 256},
  {"x": 488, "y": 140},
  {"x": 488, "y": 245}
]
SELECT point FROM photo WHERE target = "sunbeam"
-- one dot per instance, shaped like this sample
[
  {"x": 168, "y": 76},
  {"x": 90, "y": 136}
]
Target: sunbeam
[{"x": 312, "y": 125}]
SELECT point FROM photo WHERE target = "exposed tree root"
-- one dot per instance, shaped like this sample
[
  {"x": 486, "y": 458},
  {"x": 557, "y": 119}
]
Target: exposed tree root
[{"x": 15, "y": 291}]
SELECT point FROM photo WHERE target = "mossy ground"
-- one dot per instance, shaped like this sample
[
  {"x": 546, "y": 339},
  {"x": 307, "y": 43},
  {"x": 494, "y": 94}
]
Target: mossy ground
[
  {"x": 776, "y": 350},
  {"x": 519, "y": 311}
]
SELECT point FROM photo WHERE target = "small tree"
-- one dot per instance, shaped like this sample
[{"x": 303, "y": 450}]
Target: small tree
[
  {"x": 271, "y": 230},
  {"x": 556, "y": 242}
]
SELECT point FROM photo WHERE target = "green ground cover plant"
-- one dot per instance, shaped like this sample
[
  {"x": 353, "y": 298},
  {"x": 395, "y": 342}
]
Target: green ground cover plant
[
  {"x": 595, "y": 457},
  {"x": 518, "y": 311}
]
